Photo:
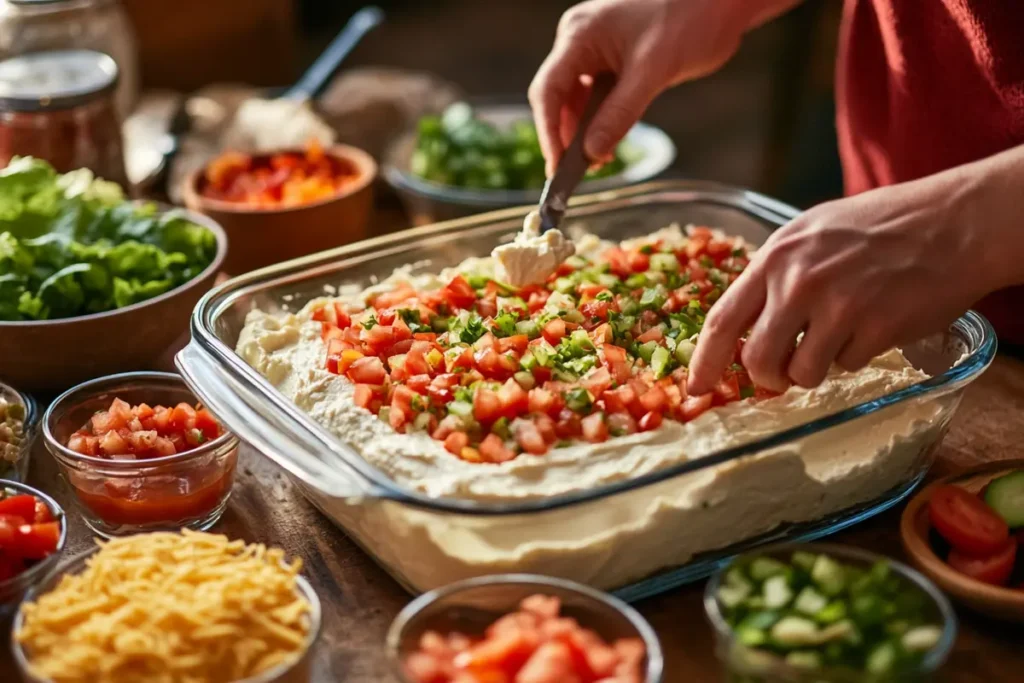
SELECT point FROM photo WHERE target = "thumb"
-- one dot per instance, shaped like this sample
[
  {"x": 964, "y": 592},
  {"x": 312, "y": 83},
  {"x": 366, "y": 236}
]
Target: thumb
[{"x": 623, "y": 107}]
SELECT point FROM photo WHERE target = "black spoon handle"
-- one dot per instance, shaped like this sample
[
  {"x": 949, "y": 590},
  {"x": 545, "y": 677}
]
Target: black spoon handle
[
  {"x": 318, "y": 75},
  {"x": 574, "y": 163}
]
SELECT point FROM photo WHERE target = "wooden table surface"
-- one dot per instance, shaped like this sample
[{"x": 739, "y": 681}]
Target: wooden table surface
[{"x": 360, "y": 600}]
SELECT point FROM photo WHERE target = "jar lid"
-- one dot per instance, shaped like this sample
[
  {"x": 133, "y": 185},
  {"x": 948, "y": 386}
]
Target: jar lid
[{"x": 52, "y": 80}]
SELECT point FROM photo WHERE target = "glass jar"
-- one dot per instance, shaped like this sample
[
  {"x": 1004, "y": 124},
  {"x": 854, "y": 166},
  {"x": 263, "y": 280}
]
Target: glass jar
[
  {"x": 59, "y": 106},
  {"x": 101, "y": 25}
]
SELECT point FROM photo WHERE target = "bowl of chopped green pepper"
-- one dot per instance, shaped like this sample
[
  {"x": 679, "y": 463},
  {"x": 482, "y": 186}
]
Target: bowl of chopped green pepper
[
  {"x": 470, "y": 159},
  {"x": 827, "y": 613},
  {"x": 90, "y": 282}
]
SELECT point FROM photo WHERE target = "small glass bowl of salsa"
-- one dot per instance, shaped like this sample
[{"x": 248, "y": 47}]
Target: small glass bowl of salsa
[{"x": 177, "y": 465}]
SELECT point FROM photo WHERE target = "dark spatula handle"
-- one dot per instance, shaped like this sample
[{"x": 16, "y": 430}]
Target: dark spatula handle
[
  {"x": 574, "y": 162},
  {"x": 318, "y": 75}
]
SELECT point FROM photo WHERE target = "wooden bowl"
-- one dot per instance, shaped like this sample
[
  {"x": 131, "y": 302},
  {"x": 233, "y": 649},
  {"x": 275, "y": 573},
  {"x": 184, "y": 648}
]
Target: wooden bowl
[
  {"x": 260, "y": 237},
  {"x": 995, "y": 601},
  {"x": 48, "y": 356}
]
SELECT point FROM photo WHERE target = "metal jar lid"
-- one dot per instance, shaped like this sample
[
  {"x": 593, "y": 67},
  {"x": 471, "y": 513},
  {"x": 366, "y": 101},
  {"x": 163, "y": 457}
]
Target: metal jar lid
[{"x": 55, "y": 80}]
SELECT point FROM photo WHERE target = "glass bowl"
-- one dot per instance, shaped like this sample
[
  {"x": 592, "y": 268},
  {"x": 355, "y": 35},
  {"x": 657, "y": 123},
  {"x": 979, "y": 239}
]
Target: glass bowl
[
  {"x": 297, "y": 671},
  {"x": 120, "y": 497},
  {"x": 13, "y": 590},
  {"x": 744, "y": 664},
  {"x": 18, "y": 468},
  {"x": 472, "y": 605}
]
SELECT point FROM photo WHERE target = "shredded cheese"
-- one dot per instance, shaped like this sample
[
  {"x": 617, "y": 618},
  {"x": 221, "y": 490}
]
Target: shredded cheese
[{"x": 169, "y": 608}]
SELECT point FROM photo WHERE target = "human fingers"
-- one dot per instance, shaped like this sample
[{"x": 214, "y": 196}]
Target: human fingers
[
  {"x": 871, "y": 338},
  {"x": 728, "y": 319},
  {"x": 767, "y": 352},
  {"x": 623, "y": 107},
  {"x": 571, "y": 112},
  {"x": 817, "y": 350}
]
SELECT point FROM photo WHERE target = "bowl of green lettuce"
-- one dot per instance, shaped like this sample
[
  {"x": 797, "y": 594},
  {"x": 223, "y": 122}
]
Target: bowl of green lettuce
[{"x": 90, "y": 282}]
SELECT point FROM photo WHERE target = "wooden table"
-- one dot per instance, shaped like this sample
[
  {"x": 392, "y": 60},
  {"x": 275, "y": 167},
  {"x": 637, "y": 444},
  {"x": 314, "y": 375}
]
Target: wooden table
[{"x": 360, "y": 600}]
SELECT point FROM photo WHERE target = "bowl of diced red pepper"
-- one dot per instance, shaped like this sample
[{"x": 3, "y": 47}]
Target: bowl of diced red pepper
[
  {"x": 520, "y": 627},
  {"x": 32, "y": 536}
]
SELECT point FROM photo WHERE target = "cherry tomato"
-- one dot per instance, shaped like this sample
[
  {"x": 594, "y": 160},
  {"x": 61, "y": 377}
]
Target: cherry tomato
[
  {"x": 966, "y": 522},
  {"x": 995, "y": 568}
]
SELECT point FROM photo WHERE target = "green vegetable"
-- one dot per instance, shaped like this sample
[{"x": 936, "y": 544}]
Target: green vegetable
[
  {"x": 458, "y": 148},
  {"x": 528, "y": 327},
  {"x": 652, "y": 299},
  {"x": 467, "y": 327},
  {"x": 72, "y": 245},
  {"x": 505, "y": 323},
  {"x": 816, "y": 612},
  {"x": 660, "y": 359},
  {"x": 684, "y": 351},
  {"x": 578, "y": 399},
  {"x": 1005, "y": 495},
  {"x": 665, "y": 262},
  {"x": 461, "y": 408}
]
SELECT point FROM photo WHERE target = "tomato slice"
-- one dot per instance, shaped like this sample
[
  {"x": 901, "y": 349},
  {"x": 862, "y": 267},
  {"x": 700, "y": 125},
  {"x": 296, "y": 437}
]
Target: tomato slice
[
  {"x": 966, "y": 522},
  {"x": 35, "y": 541},
  {"x": 23, "y": 506},
  {"x": 42, "y": 513},
  {"x": 994, "y": 568}
]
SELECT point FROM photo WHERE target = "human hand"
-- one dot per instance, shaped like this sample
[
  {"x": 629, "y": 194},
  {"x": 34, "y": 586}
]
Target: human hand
[
  {"x": 857, "y": 276},
  {"x": 649, "y": 45}
]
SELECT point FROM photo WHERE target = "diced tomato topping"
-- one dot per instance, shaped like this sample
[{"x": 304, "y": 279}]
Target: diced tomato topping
[
  {"x": 532, "y": 645},
  {"x": 653, "y": 334},
  {"x": 595, "y": 429},
  {"x": 367, "y": 370},
  {"x": 694, "y": 406},
  {"x": 493, "y": 449},
  {"x": 529, "y": 437},
  {"x": 459, "y": 293},
  {"x": 487, "y": 406},
  {"x": 516, "y": 343},
  {"x": 514, "y": 399},
  {"x": 650, "y": 421},
  {"x": 554, "y": 331},
  {"x": 144, "y": 431}
]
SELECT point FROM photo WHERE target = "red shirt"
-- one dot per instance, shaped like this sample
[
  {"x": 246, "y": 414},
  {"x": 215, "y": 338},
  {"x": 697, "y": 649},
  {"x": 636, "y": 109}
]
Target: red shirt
[{"x": 925, "y": 85}]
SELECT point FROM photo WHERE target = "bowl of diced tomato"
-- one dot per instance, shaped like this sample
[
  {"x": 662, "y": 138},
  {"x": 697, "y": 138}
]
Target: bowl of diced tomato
[
  {"x": 521, "y": 627},
  {"x": 285, "y": 204},
  {"x": 140, "y": 454},
  {"x": 32, "y": 536},
  {"x": 966, "y": 533}
]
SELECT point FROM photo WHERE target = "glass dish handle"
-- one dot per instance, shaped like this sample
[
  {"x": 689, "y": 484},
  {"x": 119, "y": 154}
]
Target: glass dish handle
[{"x": 241, "y": 413}]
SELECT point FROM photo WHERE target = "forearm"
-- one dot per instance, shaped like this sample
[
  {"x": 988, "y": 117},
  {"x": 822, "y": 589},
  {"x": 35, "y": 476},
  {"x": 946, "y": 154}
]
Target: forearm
[{"x": 986, "y": 203}]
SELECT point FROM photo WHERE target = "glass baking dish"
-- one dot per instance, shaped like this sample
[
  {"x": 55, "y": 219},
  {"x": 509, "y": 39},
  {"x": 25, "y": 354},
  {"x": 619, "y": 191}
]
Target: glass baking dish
[{"x": 636, "y": 537}]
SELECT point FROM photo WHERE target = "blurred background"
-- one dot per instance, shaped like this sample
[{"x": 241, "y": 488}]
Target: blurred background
[{"x": 765, "y": 121}]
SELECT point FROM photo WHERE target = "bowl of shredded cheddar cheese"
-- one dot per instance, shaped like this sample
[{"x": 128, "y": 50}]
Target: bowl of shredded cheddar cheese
[{"x": 186, "y": 607}]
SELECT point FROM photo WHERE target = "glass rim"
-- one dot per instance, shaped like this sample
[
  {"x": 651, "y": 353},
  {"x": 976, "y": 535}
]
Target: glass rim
[
  {"x": 655, "y": 656},
  {"x": 77, "y": 561},
  {"x": 86, "y": 390},
  {"x": 931, "y": 661},
  {"x": 973, "y": 329}
]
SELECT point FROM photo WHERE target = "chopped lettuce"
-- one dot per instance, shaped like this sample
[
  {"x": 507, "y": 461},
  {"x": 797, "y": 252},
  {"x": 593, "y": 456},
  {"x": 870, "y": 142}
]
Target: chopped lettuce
[{"x": 72, "y": 245}]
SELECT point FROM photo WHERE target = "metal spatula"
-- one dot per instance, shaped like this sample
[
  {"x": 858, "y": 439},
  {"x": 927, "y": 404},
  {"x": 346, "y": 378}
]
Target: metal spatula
[{"x": 574, "y": 163}]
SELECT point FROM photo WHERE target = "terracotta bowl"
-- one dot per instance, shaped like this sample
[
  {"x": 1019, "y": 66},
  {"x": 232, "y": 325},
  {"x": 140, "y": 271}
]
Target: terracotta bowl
[
  {"x": 995, "y": 601},
  {"x": 260, "y": 237},
  {"x": 48, "y": 356}
]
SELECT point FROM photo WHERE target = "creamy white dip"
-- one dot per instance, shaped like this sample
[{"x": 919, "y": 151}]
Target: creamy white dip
[
  {"x": 616, "y": 540},
  {"x": 270, "y": 125},
  {"x": 531, "y": 257}
]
